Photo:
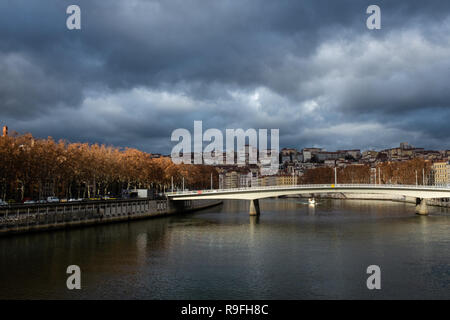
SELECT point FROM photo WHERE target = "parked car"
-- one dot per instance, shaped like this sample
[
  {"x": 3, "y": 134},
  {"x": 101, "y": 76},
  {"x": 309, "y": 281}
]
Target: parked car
[
  {"x": 3, "y": 203},
  {"x": 52, "y": 199},
  {"x": 75, "y": 200},
  {"x": 42, "y": 201},
  {"x": 29, "y": 202}
]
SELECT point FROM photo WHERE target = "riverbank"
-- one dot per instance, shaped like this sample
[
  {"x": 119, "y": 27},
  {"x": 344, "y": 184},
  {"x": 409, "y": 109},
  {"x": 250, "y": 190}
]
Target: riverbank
[{"x": 61, "y": 216}]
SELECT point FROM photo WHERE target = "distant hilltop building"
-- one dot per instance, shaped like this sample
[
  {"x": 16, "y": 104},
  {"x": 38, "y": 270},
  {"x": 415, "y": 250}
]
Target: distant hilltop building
[
  {"x": 291, "y": 155},
  {"x": 405, "y": 151},
  {"x": 405, "y": 146},
  {"x": 309, "y": 152}
]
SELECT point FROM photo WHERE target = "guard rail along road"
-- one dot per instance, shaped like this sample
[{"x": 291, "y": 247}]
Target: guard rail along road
[{"x": 36, "y": 217}]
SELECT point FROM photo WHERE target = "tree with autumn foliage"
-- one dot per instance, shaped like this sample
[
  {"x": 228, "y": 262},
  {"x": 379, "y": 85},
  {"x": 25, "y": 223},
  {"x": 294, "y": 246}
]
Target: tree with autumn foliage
[
  {"x": 36, "y": 168},
  {"x": 404, "y": 172}
]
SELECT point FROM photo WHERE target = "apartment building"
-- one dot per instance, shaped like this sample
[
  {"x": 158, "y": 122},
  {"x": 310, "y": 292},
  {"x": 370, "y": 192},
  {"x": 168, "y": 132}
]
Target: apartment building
[{"x": 440, "y": 173}]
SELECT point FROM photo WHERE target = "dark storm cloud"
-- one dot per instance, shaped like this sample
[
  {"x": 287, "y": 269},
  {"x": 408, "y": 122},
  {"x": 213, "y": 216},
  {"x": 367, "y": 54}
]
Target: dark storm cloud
[{"x": 139, "y": 69}]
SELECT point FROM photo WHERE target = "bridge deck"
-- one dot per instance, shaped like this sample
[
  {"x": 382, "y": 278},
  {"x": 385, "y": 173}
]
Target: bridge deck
[{"x": 417, "y": 191}]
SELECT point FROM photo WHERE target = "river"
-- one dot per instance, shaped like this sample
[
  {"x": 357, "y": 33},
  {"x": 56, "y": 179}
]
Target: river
[{"x": 292, "y": 251}]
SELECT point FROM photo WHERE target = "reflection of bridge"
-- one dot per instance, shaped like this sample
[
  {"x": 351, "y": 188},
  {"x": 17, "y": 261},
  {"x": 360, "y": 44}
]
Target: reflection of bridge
[{"x": 254, "y": 193}]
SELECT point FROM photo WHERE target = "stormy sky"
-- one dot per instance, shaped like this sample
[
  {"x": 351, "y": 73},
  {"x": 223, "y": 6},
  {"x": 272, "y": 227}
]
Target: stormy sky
[{"x": 139, "y": 69}]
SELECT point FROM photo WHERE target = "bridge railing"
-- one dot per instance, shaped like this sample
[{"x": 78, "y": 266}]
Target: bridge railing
[{"x": 309, "y": 186}]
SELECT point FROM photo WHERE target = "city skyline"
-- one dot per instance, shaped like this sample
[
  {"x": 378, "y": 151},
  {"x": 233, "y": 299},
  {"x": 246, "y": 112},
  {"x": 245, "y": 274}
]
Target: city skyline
[
  {"x": 6, "y": 131},
  {"x": 134, "y": 73}
]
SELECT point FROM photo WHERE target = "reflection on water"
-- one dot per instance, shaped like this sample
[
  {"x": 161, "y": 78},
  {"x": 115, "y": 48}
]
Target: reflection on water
[
  {"x": 292, "y": 251},
  {"x": 311, "y": 209}
]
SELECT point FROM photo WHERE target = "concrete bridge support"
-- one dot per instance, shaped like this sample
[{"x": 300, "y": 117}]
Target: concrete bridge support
[
  {"x": 421, "y": 206},
  {"x": 254, "y": 207}
]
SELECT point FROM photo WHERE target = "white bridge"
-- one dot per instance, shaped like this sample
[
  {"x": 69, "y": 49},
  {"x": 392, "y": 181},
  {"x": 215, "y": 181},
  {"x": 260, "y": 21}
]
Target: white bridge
[{"x": 419, "y": 192}]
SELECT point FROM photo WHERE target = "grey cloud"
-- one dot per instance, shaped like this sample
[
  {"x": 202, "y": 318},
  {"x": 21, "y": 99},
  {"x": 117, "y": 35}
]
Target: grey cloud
[{"x": 220, "y": 55}]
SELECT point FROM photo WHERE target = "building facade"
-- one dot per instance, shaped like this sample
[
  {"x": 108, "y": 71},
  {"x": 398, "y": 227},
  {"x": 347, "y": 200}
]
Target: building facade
[{"x": 440, "y": 173}]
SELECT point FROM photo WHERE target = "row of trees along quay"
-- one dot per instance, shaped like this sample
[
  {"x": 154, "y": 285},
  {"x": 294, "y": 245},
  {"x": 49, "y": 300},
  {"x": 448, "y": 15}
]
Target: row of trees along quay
[
  {"x": 36, "y": 168},
  {"x": 411, "y": 172}
]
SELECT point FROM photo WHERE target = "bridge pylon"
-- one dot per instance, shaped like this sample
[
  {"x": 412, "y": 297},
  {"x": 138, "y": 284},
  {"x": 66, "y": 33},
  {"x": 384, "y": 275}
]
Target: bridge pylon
[
  {"x": 421, "y": 206},
  {"x": 254, "y": 207}
]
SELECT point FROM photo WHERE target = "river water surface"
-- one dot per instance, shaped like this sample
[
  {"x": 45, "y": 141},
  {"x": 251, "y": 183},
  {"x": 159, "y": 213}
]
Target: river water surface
[{"x": 292, "y": 251}]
